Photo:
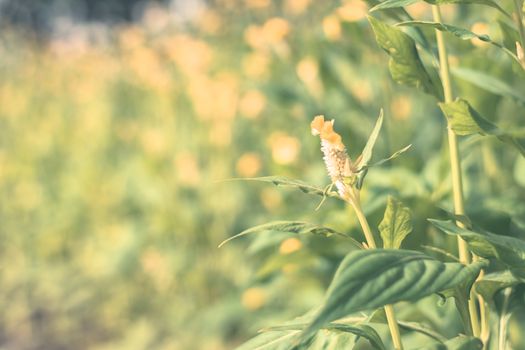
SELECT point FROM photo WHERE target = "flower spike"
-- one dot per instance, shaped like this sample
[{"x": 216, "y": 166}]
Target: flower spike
[{"x": 337, "y": 162}]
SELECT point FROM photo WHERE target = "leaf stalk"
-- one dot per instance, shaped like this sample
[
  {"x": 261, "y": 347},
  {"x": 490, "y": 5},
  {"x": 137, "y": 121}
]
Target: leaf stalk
[{"x": 389, "y": 309}]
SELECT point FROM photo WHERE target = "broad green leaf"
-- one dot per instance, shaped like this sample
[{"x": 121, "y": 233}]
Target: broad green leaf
[
  {"x": 489, "y": 83},
  {"x": 494, "y": 282},
  {"x": 462, "y": 33},
  {"x": 396, "y": 224},
  {"x": 508, "y": 250},
  {"x": 284, "y": 181},
  {"x": 361, "y": 330},
  {"x": 298, "y": 227},
  {"x": 405, "y": 64},
  {"x": 464, "y": 120},
  {"x": 368, "y": 279},
  {"x": 461, "y": 342}
]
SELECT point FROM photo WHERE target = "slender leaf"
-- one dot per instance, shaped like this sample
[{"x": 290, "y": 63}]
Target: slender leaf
[
  {"x": 298, "y": 227},
  {"x": 405, "y": 64},
  {"x": 490, "y": 3},
  {"x": 379, "y": 316},
  {"x": 369, "y": 279},
  {"x": 393, "y": 156},
  {"x": 361, "y": 330},
  {"x": 284, "y": 181},
  {"x": 396, "y": 224},
  {"x": 278, "y": 340},
  {"x": 489, "y": 83},
  {"x": 461, "y": 33},
  {"x": 461, "y": 342},
  {"x": 508, "y": 250},
  {"x": 366, "y": 155},
  {"x": 389, "y": 4},
  {"x": 466, "y": 121}
]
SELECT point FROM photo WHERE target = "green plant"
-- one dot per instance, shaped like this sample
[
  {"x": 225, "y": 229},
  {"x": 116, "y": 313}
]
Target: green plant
[{"x": 487, "y": 276}]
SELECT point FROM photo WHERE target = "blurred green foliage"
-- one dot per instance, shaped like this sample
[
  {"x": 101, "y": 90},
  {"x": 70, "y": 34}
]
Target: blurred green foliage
[{"x": 112, "y": 156}]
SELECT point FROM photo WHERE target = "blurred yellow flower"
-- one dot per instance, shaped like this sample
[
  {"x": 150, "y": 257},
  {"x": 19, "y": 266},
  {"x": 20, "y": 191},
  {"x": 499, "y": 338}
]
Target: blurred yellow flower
[
  {"x": 210, "y": 22},
  {"x": 290, "y": 245},
  {"x": 256, "y": 64},
  {"x": 154, "y": 142},
  {"x": 252, "y": 103},
  {"x": 253, "y": 298},
  {"x": 479, "y": 28},
  {"x": 187, "y": 169},
  {"x": 192, "y": 56},
  {"x": 248, "y": 164},
  {"x": 307, "y": 69},
  {"x": 271, "y": 199},
  {"x": 332, "y": 28},
  {"x": 401, "y": 107},
  {"x": 257, "y": 4},
  {"x": 157, "y": 267},
  {"x": 353, "y": 11},
  {"x": 419, "y": 10},
  {"x": 275, "y": 29},
  {"x": 285, "y": 148},
  {"x": 296, "y": 7}
]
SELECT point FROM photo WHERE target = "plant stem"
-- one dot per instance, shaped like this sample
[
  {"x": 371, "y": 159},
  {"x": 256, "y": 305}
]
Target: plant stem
[
  {"x": 455, "y": 167},
  {"x": 519, "y": 22},
  {"x": 503, "y": 320},
  {"x": 370, "y": 241}
]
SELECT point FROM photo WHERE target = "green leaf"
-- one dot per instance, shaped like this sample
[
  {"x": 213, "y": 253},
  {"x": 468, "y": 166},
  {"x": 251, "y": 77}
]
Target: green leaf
[
  {"x": 279, "y": 340},
  {"x": 389, "y": 4},
  {"x": 360, "y": 330},
  {"x": 393, "y": 156},
  {"x": 286, "y": 182},
  {"x": 464, "y": 120},
  {"x": 366, "y": 155},
  {"x": 510, "y": 35},
  {"x": 490, "y": 3},
  {"x": 298, "y": 227},
  {"x": 405, "y": 64},
  {"x": 461, "y": 33},
  {"x": 368, "y": 279},
  {"x": 379, "y": 316},
  {"x": 508, "y": 250},
  {"x": 396, "y": 224},
  {"x": 461, "y": 342},
  {"x": 494, "y": 282},
  {"x": 489, "y": 83}
]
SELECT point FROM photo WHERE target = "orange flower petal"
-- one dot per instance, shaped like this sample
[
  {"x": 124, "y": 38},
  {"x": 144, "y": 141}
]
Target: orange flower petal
[{"x": 317, "y": 125}]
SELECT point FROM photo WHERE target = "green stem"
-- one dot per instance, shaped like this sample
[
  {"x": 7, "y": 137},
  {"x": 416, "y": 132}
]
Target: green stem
[
  {"x": 455, "y": 167},
  {"x": 503, "y": 320},
  {"x": 370, "y": 241},
  {"x": 519, "y": 22}
]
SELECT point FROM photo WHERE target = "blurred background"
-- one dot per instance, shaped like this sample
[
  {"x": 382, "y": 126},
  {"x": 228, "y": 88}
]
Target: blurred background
[{"x": 120, "y": 119}]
